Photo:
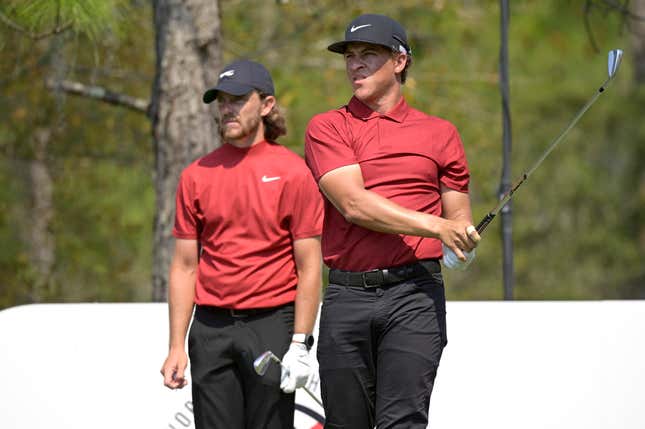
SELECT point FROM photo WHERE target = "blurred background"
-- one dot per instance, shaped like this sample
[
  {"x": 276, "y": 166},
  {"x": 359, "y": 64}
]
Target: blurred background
[{"x": 100, "y": 109}]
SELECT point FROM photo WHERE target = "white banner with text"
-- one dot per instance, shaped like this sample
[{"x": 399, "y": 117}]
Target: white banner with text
[{"x": 508, "y": 365}]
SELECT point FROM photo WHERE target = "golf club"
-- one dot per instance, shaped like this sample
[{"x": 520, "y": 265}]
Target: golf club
[
  {"x": 614, "y": 58},
  {"x": 261, "y": 365}
]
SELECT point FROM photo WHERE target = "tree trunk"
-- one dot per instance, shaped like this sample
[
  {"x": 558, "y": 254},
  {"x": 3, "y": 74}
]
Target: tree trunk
[
  {"x": 188, "y": 57},
  {"x": 41, "y": 240},
  {"x": 638, "y": 39}
]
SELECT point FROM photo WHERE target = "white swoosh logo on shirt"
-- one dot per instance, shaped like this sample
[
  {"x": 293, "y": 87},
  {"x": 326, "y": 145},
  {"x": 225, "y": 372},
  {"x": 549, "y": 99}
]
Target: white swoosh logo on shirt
[
  {"x": 358, "y": 27},
  {"x": 266, "y": 179}
]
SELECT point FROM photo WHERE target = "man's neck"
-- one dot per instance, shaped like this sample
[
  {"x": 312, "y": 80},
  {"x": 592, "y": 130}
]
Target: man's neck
[
  {"x": 386, "y": 101},
  {"x": 249, "y": 140}
]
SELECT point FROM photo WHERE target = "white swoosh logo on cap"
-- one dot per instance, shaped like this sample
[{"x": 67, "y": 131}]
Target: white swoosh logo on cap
[
  {"x": 227, "y": 73},
  {"x": 358, "y": 27}
]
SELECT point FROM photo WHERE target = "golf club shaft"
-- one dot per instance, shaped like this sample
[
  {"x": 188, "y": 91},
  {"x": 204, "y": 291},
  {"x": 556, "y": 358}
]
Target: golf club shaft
[
  {"x": 318, "y": 401},
  {"x": 508, "y": 195}
]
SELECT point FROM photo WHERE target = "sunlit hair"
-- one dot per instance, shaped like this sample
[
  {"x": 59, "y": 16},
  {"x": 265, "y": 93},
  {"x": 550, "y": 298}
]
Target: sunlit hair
[{"x": 275, "y": 125}]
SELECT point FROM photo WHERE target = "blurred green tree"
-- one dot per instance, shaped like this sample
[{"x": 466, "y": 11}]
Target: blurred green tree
[
  {"x": 578, "y": 229},
  {"x": 187, "y": 48}
]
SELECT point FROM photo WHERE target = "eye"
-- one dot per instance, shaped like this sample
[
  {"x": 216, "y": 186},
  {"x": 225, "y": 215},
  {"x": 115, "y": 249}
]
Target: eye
[{"x": 237, "y": 101}]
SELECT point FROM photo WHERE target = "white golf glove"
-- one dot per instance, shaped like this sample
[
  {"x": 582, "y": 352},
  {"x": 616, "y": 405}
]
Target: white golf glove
[
  {"x": 450, "y": 259},
  {"x": 297, "y": 370},
  {"x": 313, "y": 382}
]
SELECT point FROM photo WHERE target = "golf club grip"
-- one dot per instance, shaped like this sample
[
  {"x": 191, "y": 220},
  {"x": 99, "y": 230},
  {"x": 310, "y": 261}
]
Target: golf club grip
[{"x": 484, "y": 222}]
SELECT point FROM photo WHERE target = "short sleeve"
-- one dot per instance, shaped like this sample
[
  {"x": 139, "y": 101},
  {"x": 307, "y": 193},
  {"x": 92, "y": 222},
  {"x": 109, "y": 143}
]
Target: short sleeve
[
  {"x": 326, "y": 145},
  {"x": 304, "y": 206},
  {"x": 454, "y": 171},
  {"x": 187, "y": 220}
]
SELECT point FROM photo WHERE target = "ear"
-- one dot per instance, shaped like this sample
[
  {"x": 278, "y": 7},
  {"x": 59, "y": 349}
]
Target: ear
[
  {"x": 267, "y": 104},
  {"x": 400, "y": 60}
]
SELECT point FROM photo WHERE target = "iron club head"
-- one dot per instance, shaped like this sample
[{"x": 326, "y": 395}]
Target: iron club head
[
  {"x": 262, "y": 362},
  {"x": 261, "y": 365},
  {"x": 613, "y": 61}
]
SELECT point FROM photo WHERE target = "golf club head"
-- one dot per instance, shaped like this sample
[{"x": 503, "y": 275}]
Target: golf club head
[
  {"x": 262, "y": 362},
  {"x": 613, "y": 61}
]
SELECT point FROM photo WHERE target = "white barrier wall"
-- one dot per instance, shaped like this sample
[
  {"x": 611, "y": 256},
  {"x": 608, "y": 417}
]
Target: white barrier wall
[{"x": 508, "y": 365}]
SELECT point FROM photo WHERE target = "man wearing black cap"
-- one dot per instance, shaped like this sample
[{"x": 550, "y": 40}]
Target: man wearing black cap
[
  {"x": 247, "y": 260},
  {"x": 396, "y": 188}
]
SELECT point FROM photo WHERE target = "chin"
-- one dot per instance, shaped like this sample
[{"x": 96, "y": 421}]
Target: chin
[
  {"x": 362, "y": 94},
  {"x": 359, "y": 90},
  {"x": 232, "y": 135}
]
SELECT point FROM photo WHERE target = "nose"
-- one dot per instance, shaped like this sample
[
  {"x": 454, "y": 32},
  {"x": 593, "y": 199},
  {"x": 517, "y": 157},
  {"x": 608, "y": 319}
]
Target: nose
[
  {"x": 225, "y": 107},
  {"x": 353, "y": 63}
]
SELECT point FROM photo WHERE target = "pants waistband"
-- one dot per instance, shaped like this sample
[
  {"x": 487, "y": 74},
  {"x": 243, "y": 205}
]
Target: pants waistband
[
  {"x": 235, "y": 313},
  {"x": 384, "y": 276}
]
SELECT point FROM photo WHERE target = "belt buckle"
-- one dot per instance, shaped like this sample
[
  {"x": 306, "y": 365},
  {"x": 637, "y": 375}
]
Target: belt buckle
[
  {"x": 379, "y": 281},
  {"x": 234, "y": 313}
]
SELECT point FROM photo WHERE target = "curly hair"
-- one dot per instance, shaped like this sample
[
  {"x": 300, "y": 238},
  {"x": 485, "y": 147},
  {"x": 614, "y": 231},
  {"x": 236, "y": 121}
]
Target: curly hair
[{"x": 275, "y": 124}]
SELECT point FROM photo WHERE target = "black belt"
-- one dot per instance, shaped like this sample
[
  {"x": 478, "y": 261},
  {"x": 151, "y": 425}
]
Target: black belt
[
  {"x": 233, "y": 312},
  {"x": 384, "y": 276}
]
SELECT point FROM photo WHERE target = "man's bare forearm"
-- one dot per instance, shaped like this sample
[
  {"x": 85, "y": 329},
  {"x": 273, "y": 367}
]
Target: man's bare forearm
[
  {"x": 308, "y": 264},
  {"x": 455, "y": 204},
  {"x": 345, "y": 189},
  {"x": 181, "y": 295},
  {"x": 372, "y": 211},
  {"x": 181, "y": 290}
]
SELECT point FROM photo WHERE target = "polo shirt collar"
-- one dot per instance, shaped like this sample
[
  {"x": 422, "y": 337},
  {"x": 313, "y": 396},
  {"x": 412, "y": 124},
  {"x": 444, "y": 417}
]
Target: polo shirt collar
[{"x": 362, "y": 111}]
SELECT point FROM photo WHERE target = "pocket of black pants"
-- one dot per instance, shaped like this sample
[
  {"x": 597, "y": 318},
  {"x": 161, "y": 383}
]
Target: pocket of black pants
[
  {"x": 432, "y": 286},
  {"x": 332, "y": 292}
]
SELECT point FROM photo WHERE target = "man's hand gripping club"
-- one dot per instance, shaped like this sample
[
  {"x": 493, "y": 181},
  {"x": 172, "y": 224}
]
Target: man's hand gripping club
[{"x": 459, "y": 249}]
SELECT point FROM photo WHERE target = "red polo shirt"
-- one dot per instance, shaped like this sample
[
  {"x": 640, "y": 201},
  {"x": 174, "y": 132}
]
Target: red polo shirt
[
  {"x": 246, "y": 207},
  {"x": 404, "y": 156}
]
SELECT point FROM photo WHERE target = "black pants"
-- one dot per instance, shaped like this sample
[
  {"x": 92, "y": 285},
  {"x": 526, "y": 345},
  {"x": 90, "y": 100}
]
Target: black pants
[
  {"x": 379, "y": 350},
  {"x": 227, "y": 393}
]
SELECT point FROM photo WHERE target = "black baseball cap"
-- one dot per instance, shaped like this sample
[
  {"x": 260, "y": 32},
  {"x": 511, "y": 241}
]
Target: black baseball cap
[
  {"x": 239, "y": 78},
  {"x": 377, "y": 29}
]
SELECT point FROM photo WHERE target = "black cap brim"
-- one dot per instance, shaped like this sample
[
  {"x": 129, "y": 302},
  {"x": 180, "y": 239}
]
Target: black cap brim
[
  {"x": 232, "y": 88},
  {"x": 340, "y": 47}
]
